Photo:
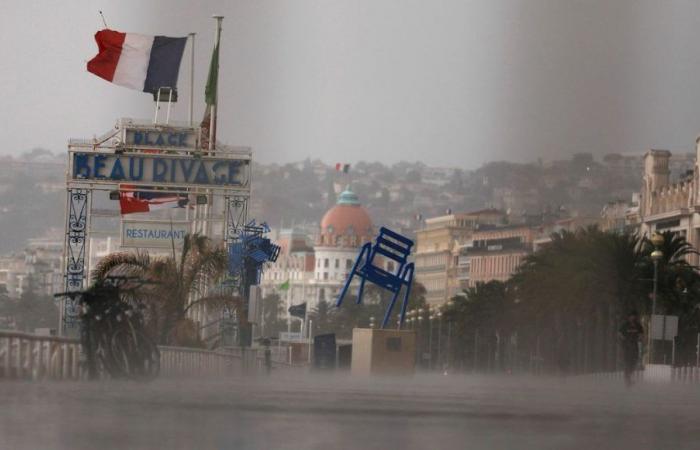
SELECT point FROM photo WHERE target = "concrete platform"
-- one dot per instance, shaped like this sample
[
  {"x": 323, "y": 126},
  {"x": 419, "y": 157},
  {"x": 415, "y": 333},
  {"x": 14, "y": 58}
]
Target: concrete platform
[{"x": 383, "y": 352}]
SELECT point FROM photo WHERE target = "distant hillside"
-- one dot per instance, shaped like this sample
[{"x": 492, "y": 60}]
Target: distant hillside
[
  {"x": 299, "y": 193},
  {"x": 33, "y": 197}
]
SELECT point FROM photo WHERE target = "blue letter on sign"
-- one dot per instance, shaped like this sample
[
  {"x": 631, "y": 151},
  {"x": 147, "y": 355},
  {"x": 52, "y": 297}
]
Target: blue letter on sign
[
  {"x": 117, "y": 170},
  {"x": 81, "y": 166},
  {"x": 99, "y": 165},
  {"x": 160, "y": 168}
]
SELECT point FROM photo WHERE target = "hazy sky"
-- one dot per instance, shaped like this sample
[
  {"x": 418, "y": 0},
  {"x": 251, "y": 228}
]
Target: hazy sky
[{"x": 451, "y": 83}]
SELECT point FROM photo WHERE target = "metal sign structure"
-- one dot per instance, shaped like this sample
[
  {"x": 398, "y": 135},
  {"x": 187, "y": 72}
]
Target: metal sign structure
[
  {"x": 664, "y": 328},
  {"x": 151, "y": 158}
]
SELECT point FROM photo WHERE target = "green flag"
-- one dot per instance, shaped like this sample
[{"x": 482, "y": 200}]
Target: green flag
[
  {"x": 284, "y": 286},
  {"x": 212, "y": 79},
  {"x": 208, "y": 125}
]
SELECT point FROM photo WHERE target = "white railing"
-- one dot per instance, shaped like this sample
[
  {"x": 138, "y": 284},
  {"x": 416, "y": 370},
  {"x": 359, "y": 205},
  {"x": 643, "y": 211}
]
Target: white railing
[
  {"x": 184, "y": 361},
  {"x": 655, "y": 373},
  {"x": 686, "y": 374},
  {"x": 29, "y": 356}
]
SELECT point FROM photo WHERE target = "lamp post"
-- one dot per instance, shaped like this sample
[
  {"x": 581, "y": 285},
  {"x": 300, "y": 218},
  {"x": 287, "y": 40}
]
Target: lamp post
[
  {"x": 419, "y": 336},
  {"x": 430, "y": 341},
  {"x": 439, "y": 358},
  {"x": 657, "y": 240},
  {"x": 450, "y": 305}
]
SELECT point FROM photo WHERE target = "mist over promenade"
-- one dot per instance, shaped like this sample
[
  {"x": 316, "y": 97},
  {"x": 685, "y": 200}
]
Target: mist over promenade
[{"x": 302, "y": 411}]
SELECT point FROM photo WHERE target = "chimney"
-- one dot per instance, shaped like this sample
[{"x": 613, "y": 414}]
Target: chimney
[{"x": 656, "y": 172}]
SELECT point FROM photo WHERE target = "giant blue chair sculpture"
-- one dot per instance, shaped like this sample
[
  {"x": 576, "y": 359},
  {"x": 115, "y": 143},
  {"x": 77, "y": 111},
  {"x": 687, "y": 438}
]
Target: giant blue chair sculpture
[{"x": 393, "y": 247}]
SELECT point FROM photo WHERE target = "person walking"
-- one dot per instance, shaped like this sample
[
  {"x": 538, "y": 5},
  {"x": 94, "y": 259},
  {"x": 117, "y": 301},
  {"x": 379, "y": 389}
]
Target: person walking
[
  {"x": 631, "y": 333},
  {"x": 268, "y": 356}
]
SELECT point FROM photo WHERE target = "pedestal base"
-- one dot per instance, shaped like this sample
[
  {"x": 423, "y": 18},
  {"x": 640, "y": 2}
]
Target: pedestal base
[{"x": 383, "y": 352}]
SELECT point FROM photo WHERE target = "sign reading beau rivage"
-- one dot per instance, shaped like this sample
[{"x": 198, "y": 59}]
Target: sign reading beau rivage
[
  {"x": 163, "y": 169},
  {"x": 160, "y": 168}
]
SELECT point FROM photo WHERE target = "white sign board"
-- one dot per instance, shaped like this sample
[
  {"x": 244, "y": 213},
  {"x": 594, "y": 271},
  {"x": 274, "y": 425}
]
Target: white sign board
[
  {"x": 153, "y": 234},
  {"x": 664, "y": 327},
  {"x": 287, "y": 336},
  {"x": 161, "y": 137}
]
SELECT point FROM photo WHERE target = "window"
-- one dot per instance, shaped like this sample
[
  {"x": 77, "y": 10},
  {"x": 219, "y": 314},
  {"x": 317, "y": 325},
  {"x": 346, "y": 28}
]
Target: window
[
  {"x": 325, "y": 263},
  {"x": 325, "y": 275},
  {"x": 337, "y": 263},
  {"x": 348, "y": 263}
]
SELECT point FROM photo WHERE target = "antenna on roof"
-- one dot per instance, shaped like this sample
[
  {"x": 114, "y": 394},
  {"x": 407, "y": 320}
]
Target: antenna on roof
[{"x": 103, "y": 19}]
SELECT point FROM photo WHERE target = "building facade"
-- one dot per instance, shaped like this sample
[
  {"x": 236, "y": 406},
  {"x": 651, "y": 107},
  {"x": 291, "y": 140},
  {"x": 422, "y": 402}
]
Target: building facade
[
  {"x": 314, "y": 268},
  {"x": 495, "y": 253},
  {"x": 37, "y": 267},
  {"x": 437, "y": 250},
  {"x": 667, "y": 205}
]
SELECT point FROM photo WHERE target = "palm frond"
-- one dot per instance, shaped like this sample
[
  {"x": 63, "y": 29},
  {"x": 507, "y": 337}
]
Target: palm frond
[{"x": 122, "y": 263}]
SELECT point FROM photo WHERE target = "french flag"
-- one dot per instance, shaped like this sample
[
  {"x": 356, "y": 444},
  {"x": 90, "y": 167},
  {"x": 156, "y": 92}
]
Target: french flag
[
  {"x": 131, "y": 201},
  {"x": 137, "y": 61}
]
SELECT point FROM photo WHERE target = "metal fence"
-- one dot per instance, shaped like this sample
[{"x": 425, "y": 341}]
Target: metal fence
[
  {"x": 33, "y": 357},
  {"x": 655, "y": 373},
  {"x": 183, "y": 361}
]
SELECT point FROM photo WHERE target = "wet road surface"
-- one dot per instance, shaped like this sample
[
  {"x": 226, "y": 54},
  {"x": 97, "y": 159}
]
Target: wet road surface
[{"x": 324, "y": 412}]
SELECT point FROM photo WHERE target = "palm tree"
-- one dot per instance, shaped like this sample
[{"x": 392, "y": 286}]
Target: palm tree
[
  {"x": 177, "y": 284},
  {"x": 321, "y": 317},
  {"x": 677, "y": 277}
]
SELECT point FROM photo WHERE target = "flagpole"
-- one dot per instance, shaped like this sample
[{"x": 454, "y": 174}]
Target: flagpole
[
  {"x": 289, "y": 314},
  {"x": 192, "y": 79},
  {"x": 212, "y": 122}
]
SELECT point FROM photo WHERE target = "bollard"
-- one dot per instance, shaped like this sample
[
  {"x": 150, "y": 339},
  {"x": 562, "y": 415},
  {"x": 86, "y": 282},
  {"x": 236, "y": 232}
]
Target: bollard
[
  {"x": 18, "y": 358},
  {"x": 7, "y": 357}
]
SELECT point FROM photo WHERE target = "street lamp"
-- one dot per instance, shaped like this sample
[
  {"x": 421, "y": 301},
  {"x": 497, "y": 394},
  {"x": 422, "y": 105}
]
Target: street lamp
[
  {"x": 438, "y": 315},
  {"x": 656, "y": 240},
  {"x": 430, "y": 341}
]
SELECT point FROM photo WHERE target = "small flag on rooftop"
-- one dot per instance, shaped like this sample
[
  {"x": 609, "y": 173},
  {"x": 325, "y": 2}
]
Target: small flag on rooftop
[
  {"x": 208, "y": 125},
  {"x": 342, "y": 167}
]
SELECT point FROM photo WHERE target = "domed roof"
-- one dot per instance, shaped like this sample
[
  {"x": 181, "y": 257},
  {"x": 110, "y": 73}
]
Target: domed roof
[
  {"x": 347, "y": 219},
  {"x": 348, "y": 197}
]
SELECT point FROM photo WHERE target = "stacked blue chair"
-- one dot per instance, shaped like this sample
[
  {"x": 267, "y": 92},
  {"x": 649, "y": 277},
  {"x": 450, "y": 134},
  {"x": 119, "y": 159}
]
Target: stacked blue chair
[
  {"x": 393, "y": 247},
  {"x": 248, "y": 252}
]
